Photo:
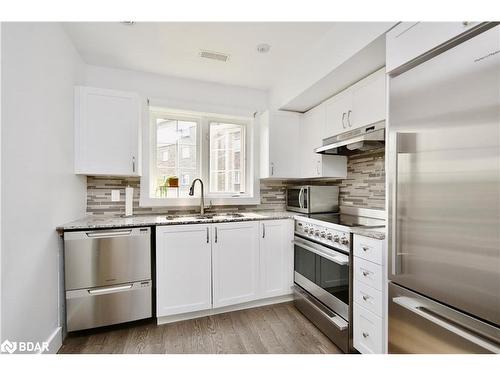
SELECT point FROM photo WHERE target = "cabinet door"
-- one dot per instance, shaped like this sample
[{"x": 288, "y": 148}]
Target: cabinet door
[
  {"x": 107, "y": 134},
  {"x": 311, "y": 136},
  {"x": 409, "y": 40},
  {"x": 279, "y": 140},
  {"x": 276, "y": 257},
  {"x": 183, "y": 269},
  {"x": 369, "y": 99},
  {"x": 235, "y": 263},
  {"x": 337, "y": 110}
]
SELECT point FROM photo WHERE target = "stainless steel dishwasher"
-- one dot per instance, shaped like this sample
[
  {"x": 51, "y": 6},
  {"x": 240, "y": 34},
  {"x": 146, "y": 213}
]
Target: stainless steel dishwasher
[{"x": 107, "y": 277}]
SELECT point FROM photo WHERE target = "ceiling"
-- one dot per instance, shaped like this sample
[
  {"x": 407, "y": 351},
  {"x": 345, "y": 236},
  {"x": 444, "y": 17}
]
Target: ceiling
[{"x": 172, "y": 48}]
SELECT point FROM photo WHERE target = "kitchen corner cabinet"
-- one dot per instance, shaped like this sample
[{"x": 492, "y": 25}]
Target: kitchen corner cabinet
[
  {"x": 311, "y": 134},
  {"x": 359, "y": 105},
  {"x": 276, "y": 257},
  {"x": 183, "y": 269},
  {"x": 279, "y": 141},
  {"x": 235, "y": 262},
  {"x": 107, "y": 132}
]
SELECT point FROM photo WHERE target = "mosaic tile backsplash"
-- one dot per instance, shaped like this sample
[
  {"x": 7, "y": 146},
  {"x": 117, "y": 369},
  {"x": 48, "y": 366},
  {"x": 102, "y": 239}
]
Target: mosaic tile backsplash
[{"x": 364, "y": 187}]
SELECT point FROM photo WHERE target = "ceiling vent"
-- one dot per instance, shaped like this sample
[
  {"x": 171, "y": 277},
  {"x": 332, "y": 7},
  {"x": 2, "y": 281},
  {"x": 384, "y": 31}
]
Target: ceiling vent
[{"x": 214, "y": 55}]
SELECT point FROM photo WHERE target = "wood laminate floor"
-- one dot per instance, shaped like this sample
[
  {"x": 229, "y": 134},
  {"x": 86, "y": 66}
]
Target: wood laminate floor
[{"x": 273, "y": 329}]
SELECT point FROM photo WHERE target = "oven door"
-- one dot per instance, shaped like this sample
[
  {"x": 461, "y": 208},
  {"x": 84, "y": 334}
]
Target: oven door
[
  {"x": 324, "y": 273},
  {"x": 297, "y": 199}
]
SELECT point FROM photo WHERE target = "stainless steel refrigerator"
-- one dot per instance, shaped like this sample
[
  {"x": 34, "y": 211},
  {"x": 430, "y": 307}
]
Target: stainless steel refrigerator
[{"x": 444, "y": 200}]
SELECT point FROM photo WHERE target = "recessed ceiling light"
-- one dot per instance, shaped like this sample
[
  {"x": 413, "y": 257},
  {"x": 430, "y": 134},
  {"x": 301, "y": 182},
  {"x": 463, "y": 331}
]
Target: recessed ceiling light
[
  {"x": 263, "y": 48},
  {"x": 127, "y": 23}
]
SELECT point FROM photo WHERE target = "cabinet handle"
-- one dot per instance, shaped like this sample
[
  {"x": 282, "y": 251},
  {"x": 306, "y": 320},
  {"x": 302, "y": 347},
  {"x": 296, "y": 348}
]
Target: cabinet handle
[
  {"x": 343, "y": 118},
  {"x": 349, "y": 118},
  {"x": 366, "y": 273},
  {"x": 263, "y": 230},
  {"x": 133, "y": 164},
  {"x": 318, "y": 167},
  {"x": 366, "y": 298},
  {"x": 365, "y": 248},
  {"x": 208, "y": 235},
  {"x": 215, "y": 234},
  {"x": 272, "y": 169},
  {"x": 365, "y": 335}
]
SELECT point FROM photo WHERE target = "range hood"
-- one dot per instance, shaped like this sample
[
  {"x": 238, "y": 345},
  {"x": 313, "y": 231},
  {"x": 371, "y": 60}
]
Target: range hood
[{"x": 354, "y": 141}]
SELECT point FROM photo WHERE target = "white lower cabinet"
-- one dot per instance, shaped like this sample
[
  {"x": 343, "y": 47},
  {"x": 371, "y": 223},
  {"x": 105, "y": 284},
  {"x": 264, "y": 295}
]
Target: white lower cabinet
[
  {"x": 276, "y": 257},
  {"x": 235, "y": 255},
  {"x": 183, "y": 269},
  {"x": 207, "y": 266},
  {"x": 369, "y": 295}
]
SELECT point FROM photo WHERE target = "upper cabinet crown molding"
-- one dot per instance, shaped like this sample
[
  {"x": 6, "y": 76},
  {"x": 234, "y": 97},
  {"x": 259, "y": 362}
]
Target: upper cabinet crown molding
[{"x": 107, "y": 132}]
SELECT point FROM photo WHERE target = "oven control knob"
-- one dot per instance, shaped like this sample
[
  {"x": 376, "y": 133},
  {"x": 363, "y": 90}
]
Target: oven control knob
[
  {"x": 344, "y": 241},
  {"x": 316, "y": 232},
  {"x": 323, "y": 234},
  {"x": 329, "y": 236},
  {"x": 336, "y": 238}
]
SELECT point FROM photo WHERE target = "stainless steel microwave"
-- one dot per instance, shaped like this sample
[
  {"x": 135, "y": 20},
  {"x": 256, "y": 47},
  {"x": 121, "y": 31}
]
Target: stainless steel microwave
[{"x": 311, "y": 199}]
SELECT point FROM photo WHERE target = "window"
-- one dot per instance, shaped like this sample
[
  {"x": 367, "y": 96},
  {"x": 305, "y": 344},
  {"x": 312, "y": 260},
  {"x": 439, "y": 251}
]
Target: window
[
  {"x": 176, "y": 138},
  {"x": 184, "y": 146},
  {"x": 227, "y": 157}
]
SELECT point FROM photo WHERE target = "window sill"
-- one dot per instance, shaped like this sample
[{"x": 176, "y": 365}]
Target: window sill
[{"x": 195, "y": 202}]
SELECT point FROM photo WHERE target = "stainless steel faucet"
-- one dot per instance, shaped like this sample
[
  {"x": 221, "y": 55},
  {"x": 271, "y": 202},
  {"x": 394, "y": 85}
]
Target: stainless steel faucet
[{"x": 202, "y": 199}]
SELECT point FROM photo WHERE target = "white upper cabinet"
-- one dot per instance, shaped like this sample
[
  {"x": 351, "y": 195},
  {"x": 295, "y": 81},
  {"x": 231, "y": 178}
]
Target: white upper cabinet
[
  {"x": 361, "y": 104},
  {"x": 311, "y": 134},
  {"x": 276, "y": 258},
  {"x": 279, "y": 141},
  {"x": 183, "y": 269},
  {"x": 368, "y": 100},
  {"x": 409, "y": 40},
  {"x": 235, "y": 255},
  {"x": 107, "y": 132},
  {"x": 338, "y": 109}
]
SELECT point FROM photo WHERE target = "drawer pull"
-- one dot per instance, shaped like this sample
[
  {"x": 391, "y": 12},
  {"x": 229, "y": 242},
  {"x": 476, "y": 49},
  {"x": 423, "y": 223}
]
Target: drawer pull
[{"x": 365, "y": 335}]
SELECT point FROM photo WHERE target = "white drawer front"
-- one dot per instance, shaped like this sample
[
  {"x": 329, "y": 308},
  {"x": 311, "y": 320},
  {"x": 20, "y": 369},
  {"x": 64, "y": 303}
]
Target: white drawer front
[
  {"x": 367, "y": 335},
  {"x": 368, "y": 273},
  {"x": 368, "y": 248},
  {"x": 368, "y": 297}
]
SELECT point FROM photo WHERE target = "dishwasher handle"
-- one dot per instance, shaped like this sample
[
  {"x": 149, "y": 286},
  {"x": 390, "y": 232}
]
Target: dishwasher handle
[{"x": 116, "y": 233}]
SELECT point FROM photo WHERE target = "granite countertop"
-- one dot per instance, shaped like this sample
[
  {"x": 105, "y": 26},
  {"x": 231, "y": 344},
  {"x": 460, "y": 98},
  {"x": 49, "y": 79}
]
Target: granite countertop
[
  {"x": 377, "y": 233},
  {"x": 100, "y": 222}
]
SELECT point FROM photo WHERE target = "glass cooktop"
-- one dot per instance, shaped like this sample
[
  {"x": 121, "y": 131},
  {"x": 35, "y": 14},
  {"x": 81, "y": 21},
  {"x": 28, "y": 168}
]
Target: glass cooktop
[{"x": 349, "y": 220}]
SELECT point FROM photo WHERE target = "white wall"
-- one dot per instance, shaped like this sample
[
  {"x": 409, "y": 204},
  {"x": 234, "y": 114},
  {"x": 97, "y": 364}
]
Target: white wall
[
  {"x": 338, "y": 45},
  {"x": 39, "y": 190},
  {"x": 180, "y": 93}
]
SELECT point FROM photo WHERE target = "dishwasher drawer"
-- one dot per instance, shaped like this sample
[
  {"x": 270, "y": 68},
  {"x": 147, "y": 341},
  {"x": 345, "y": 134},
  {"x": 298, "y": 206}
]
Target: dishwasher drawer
[
  {"x": 106, "y": 257},
  {"x": 97, "y": 307}
]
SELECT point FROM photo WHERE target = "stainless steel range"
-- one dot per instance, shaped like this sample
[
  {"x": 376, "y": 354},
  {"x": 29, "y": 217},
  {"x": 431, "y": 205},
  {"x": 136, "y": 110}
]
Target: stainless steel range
[{"x": 323, "y": 269}]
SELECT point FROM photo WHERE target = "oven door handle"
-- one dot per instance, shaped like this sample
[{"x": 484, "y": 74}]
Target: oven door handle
[{"x": 338, "y": 258}]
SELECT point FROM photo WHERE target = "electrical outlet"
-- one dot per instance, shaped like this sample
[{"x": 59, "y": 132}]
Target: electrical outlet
[{"x": 115, "y": 195}]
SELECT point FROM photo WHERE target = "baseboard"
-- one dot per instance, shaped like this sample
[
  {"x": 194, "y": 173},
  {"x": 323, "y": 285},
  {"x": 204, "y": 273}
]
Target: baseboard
[
  {"x": 55, "y": 342},
  {"x": 225, "y": 309}
]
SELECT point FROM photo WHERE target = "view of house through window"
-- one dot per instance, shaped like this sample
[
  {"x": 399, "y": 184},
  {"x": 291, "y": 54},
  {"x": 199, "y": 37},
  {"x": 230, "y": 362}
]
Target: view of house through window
[
  {"x": 176, "y": 157},
  {"x": 194, "y": 146},
  {"x": 227, "y": 174}
]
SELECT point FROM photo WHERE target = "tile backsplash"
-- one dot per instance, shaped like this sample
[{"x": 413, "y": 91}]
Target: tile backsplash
[{"x": 364, "y": 187}]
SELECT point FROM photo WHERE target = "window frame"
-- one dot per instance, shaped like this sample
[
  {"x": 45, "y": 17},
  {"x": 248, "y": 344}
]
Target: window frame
[{"x": 252, "y": 194}]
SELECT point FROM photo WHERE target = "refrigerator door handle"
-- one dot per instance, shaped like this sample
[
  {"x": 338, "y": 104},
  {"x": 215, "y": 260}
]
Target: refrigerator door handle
[{"x": 415, "y": 307}]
